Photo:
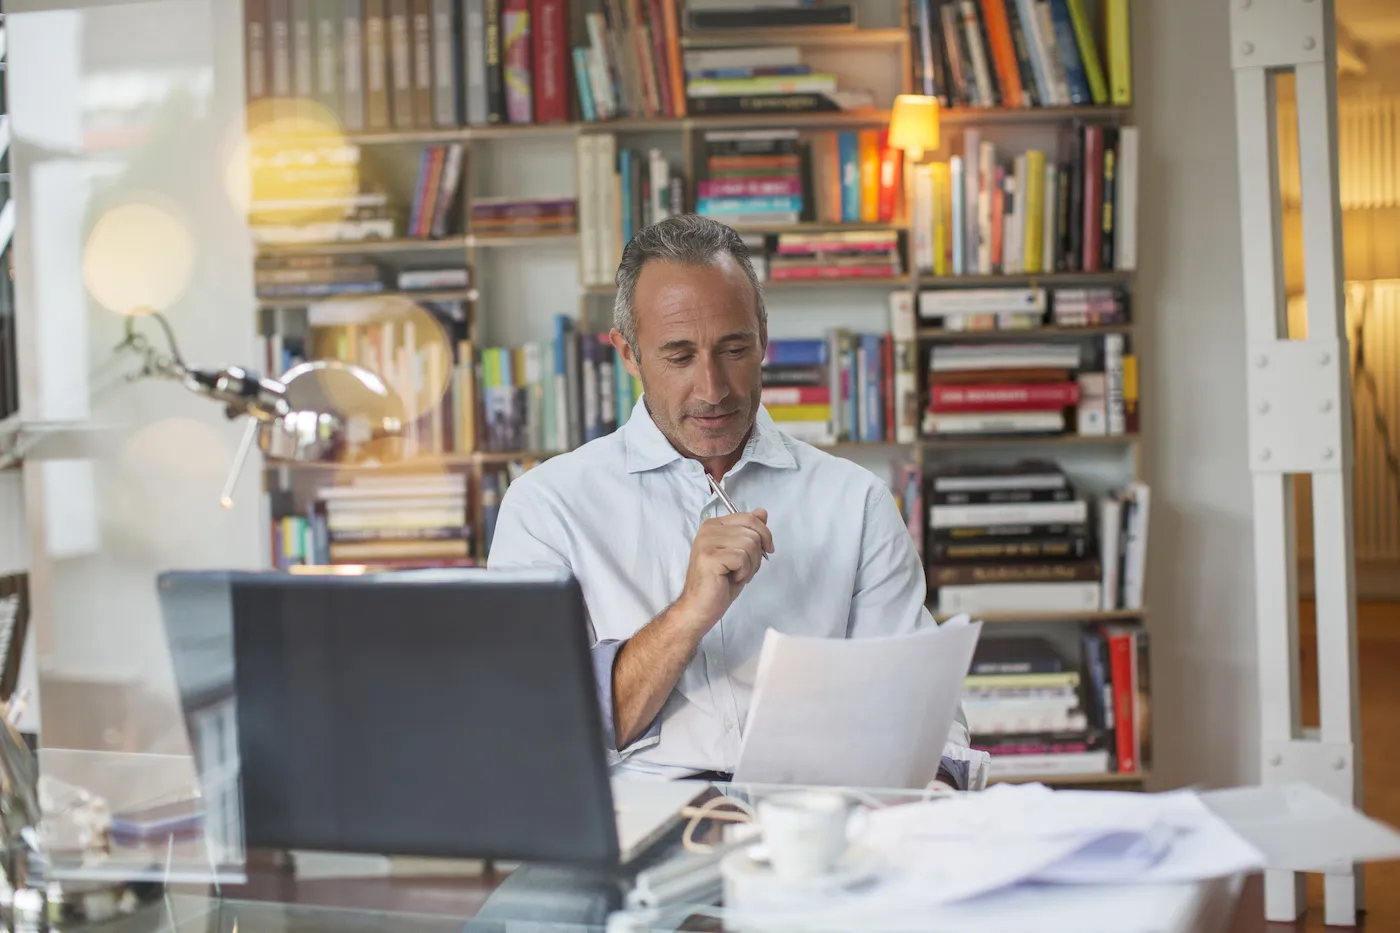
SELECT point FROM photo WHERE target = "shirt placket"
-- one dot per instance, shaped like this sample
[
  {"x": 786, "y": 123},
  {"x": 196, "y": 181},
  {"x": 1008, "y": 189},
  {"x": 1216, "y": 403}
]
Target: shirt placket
[{"x": 716, "y": 664}]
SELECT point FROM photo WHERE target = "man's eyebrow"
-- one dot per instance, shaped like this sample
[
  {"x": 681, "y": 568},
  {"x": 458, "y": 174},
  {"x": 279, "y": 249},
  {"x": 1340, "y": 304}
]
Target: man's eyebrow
[
  {"x": 672, "y": 345},
  {"x": 737, "y": 335}
]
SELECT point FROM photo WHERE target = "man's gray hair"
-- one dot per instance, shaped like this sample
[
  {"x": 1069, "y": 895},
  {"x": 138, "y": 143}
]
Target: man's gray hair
[{"x": 687, "y": 239}]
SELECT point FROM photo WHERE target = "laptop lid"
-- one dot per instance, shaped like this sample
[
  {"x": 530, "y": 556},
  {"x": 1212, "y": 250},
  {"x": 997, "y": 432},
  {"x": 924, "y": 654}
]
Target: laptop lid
[{"x": 438, "y": 713}]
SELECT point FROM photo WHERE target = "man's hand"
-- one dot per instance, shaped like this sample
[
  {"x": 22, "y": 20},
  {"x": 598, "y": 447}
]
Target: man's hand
[{"x": 724, "y": 557}]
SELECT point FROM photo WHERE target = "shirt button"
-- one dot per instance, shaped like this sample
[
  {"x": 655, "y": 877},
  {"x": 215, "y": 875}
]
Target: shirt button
[{"x": 728, "y": 725}]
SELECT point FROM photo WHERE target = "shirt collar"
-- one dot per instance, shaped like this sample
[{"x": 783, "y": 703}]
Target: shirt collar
[{"x": 648, "y": 448}]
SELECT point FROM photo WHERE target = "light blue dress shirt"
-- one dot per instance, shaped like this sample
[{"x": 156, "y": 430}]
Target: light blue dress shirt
[{"x": 620, "y": 514}]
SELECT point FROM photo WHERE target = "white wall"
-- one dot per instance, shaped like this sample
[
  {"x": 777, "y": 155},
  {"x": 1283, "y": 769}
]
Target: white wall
[
  {"x": 116, "y": 102},
  {"x": 1189, "y": 300}
]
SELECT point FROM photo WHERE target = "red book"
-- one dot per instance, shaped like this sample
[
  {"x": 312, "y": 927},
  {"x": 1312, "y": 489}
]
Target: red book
[
  {"x": 1120, "y": 660},
  {"x": 796, "y": 395},
  {"x": 656, "y": 30},
  {"x": 1093, "y": 197},
  {"x": 551, "y": 60},
  {"x": 890, "y": 161},
  {"x": 1035, "y": 396},
  {"x": 832, "y": 272}
]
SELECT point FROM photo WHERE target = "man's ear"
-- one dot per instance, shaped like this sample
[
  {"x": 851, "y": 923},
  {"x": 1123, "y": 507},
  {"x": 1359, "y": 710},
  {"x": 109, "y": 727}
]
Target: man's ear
[{"x": 624, "y": 350}]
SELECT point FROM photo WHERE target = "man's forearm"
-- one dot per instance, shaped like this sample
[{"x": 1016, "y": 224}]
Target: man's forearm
[{"x": 648, "y": 668}]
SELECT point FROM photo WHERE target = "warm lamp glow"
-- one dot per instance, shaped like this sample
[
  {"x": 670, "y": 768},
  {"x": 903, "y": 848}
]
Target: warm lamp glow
[{"x": 914, "y": 125}]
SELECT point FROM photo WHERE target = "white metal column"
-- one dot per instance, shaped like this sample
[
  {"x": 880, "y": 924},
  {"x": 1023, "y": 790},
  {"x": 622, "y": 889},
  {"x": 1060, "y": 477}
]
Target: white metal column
[{"x": 1299, "y": 420}]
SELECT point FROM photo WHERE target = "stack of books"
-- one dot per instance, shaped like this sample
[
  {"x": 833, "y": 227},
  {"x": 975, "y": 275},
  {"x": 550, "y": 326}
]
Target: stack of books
[
  {"x": 1093, "y": 306},
  {"x": 631, "y": 66},
  {"x": 1024, "y": 707},
  {"x": 755, "y": 80},
  {"x": 984, "y": 309},
  {"x": 316, "y": 276},
  {"x": 740, "y": 170},
  {"x": 1115, "y": 661},
  {"x": 418, "y": 520},
  {"x": 622, "y": 191},
  {"x": 797, "y": 388},
  {"x": 315, "y": 194},
  {"x": 435, "y": 211},
  {"x": 846, "y": 254},
  {"x": 515, "y": 216},
  {"x": 553, "y": 395},
  {"x": 980, "y": 213},
  {"x": 1001, "y": 388},
  {"x": 1021, "y": 53},
  {"x": 1010, "y": 539}
]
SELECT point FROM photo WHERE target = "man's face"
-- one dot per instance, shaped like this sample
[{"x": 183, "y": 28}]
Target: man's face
[{"x": 699, "y": 354}]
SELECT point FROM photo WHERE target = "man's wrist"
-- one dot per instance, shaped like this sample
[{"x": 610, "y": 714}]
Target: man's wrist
[{"x": 685, "y": 619}]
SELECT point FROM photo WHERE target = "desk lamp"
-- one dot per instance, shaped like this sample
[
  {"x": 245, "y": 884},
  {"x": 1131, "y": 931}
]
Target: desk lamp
[{"x": 914, "y": 125}]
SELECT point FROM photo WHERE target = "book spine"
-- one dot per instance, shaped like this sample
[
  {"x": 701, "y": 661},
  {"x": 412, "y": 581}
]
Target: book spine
[
  {"x": 474, "y": 61},
  {"x": 303, "y": 54},
  {"x": 891, "y": 160},
  {"x": 352, "y": 64},
  {"x": 1113, "y": 347},
  {"x": 1120, "y": 651},
  {"x": 1088, "y": 51},
  {"x": 255, "y": 42},
  {"x": 1080, "y": 93},
  {"x": 1119, "y": 46},
  {"x": 451, "y": 181},
  {"x": 551, "y": 60},
  {"x": 421, "y": 34},
  {"x": 445, "y": 70},
  {"x": 1092, "y": 217},
  {"x": 377, "y": 82},
  {"x": 327, "y": 51},
  {"x": 279, "y": 17},
  {"x": 400, "y": 64},
  {"x": 1003, "y": 52},
  {"x": 587, "y": 110},
  {"x": 1055, "y": 548},
  {"x": 670, "y": 24},
  {"x": 1109, "y": 215},
  {"x": 515, "y": 54},
  {"x": 971, "y": 574},
  {"x": 495, "y": 72}
]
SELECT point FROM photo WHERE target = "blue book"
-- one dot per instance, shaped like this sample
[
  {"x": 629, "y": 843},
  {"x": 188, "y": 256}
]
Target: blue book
[
  {"x": 795, "y": 353},
  {"x": 1025, "y": 11},
  {"x": 772, "y": 205},
  {"x": 1079, "y": 93},
  {"x": 563, "y": 333},
  {"x": 848, "y": 144},
  {"x": 585, "y": 89}
]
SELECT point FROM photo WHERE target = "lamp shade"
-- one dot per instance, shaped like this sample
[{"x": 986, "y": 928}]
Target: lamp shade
[{"x": 914, "y": 124}]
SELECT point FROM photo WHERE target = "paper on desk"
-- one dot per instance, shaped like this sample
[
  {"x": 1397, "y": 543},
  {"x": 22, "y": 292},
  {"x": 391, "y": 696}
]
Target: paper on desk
[{"x": 865, "y": 712}]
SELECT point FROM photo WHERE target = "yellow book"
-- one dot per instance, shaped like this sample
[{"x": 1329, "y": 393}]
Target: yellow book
[
  {"x": 1119, "y": 42},
  {"x": 800, "y": 412},
  {"x": 942, "y": 217},
  {"x": 869, "y": 176},
  {"x": 1035, "y": 210},
  {"x": 466, "y": 397}
]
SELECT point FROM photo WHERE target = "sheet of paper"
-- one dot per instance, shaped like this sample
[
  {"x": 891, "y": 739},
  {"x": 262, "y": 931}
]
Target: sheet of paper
[
  {"x": 865, "y": 712},
  {"x": 1300, "y": 828}
]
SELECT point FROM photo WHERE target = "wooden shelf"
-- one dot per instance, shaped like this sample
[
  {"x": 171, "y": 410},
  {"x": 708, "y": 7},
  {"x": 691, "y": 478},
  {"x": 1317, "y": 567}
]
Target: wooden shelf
[
  {"x": 524, "y": 239},
  {"x": 1113, "y": 615},
  {"x": 425, "y": 294},
  {"x": 1016, "y": 440},
  {"x": 817, "y": 226},
  {"x": 1107, "y": 277},
  {"x": 522, "y": 130},
  {"x": 817, "y": 120},
  {"x": 1136, "y": 777},
  {"x": 989, "y": 115},
  {"x": 938, "y": 333},
  {"x": 795, "y": 35},
  {"x": 374, "y": 247}
]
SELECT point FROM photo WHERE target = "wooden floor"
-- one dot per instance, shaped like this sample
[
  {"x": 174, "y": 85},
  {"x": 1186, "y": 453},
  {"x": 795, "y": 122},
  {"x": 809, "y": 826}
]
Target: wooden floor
[{"x": 1379, "y": 651}]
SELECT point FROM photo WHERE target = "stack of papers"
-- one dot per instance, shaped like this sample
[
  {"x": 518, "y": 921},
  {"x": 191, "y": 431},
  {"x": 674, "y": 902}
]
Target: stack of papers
[{"x": 1023, "y": 857}]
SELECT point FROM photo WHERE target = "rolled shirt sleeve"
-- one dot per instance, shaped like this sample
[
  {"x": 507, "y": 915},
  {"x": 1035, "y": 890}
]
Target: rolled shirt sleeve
[{"x": 604, "y": 657}]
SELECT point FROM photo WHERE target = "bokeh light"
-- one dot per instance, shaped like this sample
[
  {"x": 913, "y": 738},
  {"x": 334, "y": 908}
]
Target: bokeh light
[
  {"x": 291, "y": 165},
  {"x": 139, "y": 256}
]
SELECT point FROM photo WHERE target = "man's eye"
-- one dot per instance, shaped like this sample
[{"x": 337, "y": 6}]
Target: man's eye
[
  {"x": 738, "y": 352},
  {"x": 680, "y": 360}
]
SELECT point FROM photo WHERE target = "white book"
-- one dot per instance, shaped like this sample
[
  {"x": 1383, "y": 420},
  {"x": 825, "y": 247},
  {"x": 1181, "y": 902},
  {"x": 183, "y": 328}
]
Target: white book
[
  {"x": 999, "y": 481},
  {"x": 660, "y": 185},
  {"x": 922, "y": 219},
  {"x": 1026, "y": 422},
  {"x": 1063, "y": 764},
  {"x": 1113, "y": 371},
  {"x": 816, "y": 433},
  {"x": 1110, "y": 549},
  {"x": 1135, "y": 547},
  {"x": 972, "y": 183},
  {"x": 1051, "y": 225},
  {"x": 1074, "y": 512},
  {"x": 1039, "y": 55},
  {"x": 987, "y": 176},
  {"x": 957, "y": 222},
  {"x": 1022, "y": 720},
  {"x": 724, "y": 59},
  {"x": 599, "y": 68},
  {"x": 944, "y": 302},
  {"x": 1030, "y": 598},
  {"x": 605, "y": 167},
  {"x": 906, "y": 390},
  {"x": 1126, "y": 194}
]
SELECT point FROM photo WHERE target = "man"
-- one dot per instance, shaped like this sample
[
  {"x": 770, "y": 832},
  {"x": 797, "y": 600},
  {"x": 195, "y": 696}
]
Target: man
[{"x": 679, "y": 591}]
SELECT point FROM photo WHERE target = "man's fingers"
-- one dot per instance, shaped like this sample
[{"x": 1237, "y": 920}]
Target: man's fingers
[
  {"x": 742, "y": 564},
  {"x": 756, "y": 520}
]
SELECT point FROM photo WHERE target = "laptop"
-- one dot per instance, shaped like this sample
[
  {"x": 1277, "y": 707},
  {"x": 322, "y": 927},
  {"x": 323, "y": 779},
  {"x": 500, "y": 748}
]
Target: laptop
[{"x": 444, "y": 713}]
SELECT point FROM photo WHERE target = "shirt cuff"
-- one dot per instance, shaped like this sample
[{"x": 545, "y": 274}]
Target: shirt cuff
[{"x": 604, "y": 657}]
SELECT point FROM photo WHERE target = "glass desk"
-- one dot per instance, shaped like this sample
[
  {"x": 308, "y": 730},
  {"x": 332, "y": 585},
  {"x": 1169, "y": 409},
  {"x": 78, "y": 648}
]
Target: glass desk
[{"x": 532, "y": 898}]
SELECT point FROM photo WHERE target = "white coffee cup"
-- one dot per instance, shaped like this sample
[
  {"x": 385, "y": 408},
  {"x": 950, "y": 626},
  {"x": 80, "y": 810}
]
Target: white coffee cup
[{"x": 804, "y": 831}]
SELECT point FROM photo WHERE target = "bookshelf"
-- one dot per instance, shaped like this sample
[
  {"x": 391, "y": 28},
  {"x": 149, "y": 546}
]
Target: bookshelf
[{"x": 517, "y": 281}]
